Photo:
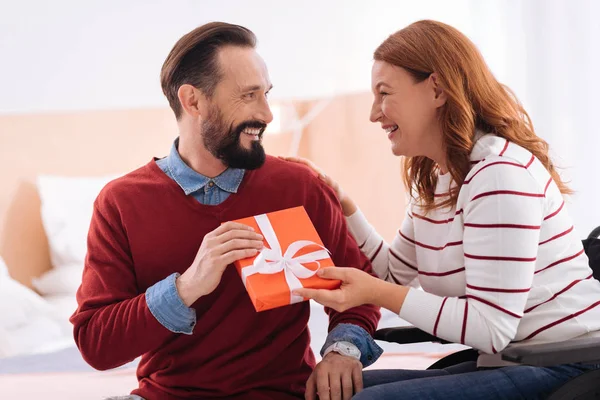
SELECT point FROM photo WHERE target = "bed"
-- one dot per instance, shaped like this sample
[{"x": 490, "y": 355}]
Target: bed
[
  {"x": 44, "y": 212},
  {"x": 63, "y": 374}
]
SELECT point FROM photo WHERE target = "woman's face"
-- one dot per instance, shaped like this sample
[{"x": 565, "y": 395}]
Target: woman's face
[{"x": 407, "y": 111}]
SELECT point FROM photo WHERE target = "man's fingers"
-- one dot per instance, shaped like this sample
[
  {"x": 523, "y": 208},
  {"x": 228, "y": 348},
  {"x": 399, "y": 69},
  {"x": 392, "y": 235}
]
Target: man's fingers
[
  {"x": 335, "y": 387},
  {"x": 347, "y": 387},
  {"x": 238, "y": 234},
  {"x": 238, "y": 244},
  {"x": 235, "y": 255},
  {"x": 228, "y": 226},
  {"x": 357, "y": 379},
  {"x": 323, "y": 384},
  {"x": 311, "y": 388}
]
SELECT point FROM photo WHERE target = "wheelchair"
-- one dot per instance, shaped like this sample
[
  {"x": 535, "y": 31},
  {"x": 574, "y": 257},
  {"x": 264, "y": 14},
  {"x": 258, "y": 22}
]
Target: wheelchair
[{"x": 586, "y": 350}]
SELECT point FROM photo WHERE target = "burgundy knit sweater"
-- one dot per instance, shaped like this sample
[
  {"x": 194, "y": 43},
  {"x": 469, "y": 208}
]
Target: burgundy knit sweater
[{"x": 143, "y": 229}]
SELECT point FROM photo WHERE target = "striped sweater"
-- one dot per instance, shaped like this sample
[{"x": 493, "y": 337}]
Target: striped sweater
[{"x": 503, "y": 265}]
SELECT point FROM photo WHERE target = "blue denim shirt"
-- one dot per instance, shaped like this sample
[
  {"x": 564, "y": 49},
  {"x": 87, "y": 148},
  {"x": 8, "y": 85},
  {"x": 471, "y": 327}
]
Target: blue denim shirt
[
  {"x": 206, "y": 190},
  {"x": 164, "y": 301}
]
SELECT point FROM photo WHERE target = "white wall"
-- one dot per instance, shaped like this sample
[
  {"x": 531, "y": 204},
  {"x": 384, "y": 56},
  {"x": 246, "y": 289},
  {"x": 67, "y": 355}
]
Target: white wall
[{"x": 70, "y": 55}]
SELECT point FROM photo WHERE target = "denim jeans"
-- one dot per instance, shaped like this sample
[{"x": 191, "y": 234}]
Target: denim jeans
[{"x": 465, "y": 381}]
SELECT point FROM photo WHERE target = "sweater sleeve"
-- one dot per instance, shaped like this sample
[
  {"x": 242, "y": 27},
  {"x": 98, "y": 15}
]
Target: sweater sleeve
[
  {"x": 112, "y": 324},
  {"x": 502, "y": 221},
  {"x": 326, "y": 214},
  {"x": 395, "y": 263}
]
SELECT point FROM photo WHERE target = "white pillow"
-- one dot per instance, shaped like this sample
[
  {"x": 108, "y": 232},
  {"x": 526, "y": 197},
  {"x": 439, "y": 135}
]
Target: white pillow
[
  {"x": 28, "y": 322},
  {"x": 64, "y": 306},
  {"x": 3, "y": 269},
  {"x": 59, "y": 281},
  {"x": 67, "y": 205}
]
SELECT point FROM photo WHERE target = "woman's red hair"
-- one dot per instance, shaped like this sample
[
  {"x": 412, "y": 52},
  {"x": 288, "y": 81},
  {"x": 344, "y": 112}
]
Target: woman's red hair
[{"x": 475, "y": 101}]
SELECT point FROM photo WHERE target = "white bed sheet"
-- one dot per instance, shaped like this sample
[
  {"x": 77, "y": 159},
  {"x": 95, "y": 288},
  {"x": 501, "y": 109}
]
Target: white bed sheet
[{"x": 61, "y": 373}]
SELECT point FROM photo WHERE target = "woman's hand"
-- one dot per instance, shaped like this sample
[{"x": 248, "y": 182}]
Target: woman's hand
[
  {"x": 357, "y": 288},
  {"x": 348, "y": 205}
]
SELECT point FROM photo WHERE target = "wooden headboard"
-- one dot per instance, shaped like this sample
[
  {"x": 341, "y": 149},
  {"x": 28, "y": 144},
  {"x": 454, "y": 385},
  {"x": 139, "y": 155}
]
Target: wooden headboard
[
  {"x": 341, "y": 140},
  {"x": 75, "y": 144}
]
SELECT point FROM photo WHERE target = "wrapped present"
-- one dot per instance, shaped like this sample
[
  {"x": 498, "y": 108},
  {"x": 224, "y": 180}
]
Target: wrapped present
[{"x": 292, "y": 255}]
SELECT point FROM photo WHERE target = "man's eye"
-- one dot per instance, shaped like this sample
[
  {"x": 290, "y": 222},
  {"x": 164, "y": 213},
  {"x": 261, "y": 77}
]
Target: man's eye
[
  {"x": 383, "y": 94},
  {"x": 249, "y": 96}
]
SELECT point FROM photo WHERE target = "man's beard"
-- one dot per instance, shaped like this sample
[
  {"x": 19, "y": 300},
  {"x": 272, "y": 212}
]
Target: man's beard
[{"x": 224, "y": 143}]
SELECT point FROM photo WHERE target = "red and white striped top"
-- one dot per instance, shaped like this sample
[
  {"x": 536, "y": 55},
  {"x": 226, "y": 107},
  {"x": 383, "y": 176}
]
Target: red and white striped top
[{"x": 504, "y": 265}]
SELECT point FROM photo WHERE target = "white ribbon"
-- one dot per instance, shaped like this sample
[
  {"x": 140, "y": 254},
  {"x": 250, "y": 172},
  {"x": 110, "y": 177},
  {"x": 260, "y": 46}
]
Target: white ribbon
[{"x": 272, "y": 261}]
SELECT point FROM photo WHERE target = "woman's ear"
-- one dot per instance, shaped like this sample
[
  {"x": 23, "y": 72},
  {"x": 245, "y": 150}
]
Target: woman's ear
[
  {"x": 192, "y": 100},
  {"x": 439, "y": 94}
]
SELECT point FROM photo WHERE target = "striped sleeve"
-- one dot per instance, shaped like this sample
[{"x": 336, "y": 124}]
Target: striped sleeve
[
  {"x": 502, "y": 216},
  {"x": 395, "y": 263}
]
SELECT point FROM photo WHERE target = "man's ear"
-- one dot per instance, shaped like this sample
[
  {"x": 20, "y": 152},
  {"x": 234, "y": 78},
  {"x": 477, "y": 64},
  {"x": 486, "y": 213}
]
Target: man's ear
[
  {"x": 439, "y": 94},
  {"x": 192, "y": 100}
]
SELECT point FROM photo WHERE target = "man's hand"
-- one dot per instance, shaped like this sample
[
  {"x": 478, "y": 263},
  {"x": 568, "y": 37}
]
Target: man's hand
[
  {"x": 228, "y": 243},
  {"x": 336, "y": 377}
]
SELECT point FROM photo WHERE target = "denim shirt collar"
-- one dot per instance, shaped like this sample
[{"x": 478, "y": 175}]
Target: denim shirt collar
[{"x": 191, "y": 181}]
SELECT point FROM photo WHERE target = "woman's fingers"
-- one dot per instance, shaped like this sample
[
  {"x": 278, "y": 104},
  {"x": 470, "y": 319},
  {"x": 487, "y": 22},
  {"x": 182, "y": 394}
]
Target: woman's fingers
[
  {"x": 325, "y": 297},
  {"x": 306, "y": 162},
  {"x": 334, "y": 273}
]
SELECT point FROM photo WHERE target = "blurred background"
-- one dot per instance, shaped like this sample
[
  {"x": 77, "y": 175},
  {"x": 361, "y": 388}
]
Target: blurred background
[{"x": 80, "y": 103}]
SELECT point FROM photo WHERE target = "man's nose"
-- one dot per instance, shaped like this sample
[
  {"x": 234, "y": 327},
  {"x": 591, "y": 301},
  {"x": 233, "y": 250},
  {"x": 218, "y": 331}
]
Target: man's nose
[{"x": 264, "y": 113}]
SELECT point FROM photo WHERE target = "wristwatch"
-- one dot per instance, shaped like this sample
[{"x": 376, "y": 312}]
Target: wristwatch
[{"x": 345, "y": 349}]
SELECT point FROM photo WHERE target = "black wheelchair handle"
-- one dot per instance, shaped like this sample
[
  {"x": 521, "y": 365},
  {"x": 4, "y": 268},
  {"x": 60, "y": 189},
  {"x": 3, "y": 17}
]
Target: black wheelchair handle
[{"x": 595, "y": 233}]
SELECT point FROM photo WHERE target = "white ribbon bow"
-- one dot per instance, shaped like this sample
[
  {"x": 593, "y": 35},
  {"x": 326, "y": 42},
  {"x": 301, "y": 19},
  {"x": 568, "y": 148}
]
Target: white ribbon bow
[{"x": 272, "y": 261}]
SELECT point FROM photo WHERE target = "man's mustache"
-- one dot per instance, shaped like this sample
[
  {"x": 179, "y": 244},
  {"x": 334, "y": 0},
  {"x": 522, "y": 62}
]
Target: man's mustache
[{"x": 250, "y": 125}]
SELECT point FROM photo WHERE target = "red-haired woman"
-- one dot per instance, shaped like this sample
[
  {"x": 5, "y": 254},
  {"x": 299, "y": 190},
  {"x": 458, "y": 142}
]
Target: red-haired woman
[{"x": 486, "y": 234}]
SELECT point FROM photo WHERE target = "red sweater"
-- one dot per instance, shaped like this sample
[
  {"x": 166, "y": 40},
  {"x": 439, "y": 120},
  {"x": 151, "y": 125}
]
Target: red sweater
[{"x": 143, "y": 229}]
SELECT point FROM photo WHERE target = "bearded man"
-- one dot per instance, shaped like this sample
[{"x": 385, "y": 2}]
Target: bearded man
[{"x": 158, "y": 281}]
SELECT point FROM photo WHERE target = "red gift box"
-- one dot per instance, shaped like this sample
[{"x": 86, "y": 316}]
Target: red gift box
[{"x": 292, "y": 255}]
